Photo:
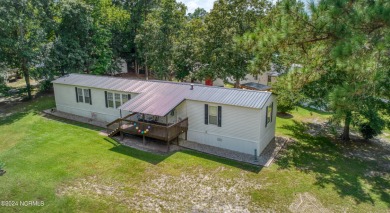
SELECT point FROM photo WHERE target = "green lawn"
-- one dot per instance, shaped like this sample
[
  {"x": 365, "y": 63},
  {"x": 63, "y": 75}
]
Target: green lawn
[{"x": 72, "y": 168}]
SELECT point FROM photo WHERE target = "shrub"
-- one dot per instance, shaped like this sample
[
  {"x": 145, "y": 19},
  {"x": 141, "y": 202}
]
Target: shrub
[
  {"x": 367, "y": 131},
  {"x": 4, "y": 90},
  {"x": 287, "y": 96},
  {"x": 45, "y": 85}
]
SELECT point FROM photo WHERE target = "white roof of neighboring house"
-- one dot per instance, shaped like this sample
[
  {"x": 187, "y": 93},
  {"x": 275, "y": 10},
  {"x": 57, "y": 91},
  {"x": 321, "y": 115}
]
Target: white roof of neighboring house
[{"x": 160, "y": 97}]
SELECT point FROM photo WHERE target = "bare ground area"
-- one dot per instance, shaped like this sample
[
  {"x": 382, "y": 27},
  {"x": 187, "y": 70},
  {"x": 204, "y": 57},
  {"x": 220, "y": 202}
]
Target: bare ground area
[
  {"x": 203, "y": 192},
  {"x": 376, "y": 150},
  {"x": 307, "y": 203}
]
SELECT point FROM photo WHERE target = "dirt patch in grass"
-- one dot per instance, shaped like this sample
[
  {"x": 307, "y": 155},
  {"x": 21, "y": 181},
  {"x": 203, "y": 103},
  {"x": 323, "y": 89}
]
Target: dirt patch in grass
[
  {"x": 375, "y": 150},
  {"x": 199, "y": 191},
  {"x": 306, "y": 202},
  {"x": 91, "y": 186},
  {"x": 284, "y": 115}
]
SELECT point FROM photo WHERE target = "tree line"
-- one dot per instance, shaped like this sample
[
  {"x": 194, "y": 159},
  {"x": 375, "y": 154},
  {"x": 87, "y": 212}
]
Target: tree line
[{"x": 334, "y": 54}]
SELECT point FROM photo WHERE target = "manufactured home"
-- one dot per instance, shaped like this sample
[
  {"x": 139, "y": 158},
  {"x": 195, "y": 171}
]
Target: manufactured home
[
  {"x": 234, "y": 119},
  {"x": 262, "y": 82}
]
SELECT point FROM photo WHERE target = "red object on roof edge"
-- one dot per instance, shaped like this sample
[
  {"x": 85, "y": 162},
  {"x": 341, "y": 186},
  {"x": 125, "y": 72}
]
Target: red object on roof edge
[{"x": 209, "y": 82}]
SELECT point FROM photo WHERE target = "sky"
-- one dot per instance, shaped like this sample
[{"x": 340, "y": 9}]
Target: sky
[
  {"x": 193, "y": 4},
  {"x": 205, "y": 4}
]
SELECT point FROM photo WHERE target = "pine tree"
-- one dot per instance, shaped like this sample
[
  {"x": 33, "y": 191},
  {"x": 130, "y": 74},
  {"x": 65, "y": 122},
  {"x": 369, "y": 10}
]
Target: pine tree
[{"x": 343, "y": 47}]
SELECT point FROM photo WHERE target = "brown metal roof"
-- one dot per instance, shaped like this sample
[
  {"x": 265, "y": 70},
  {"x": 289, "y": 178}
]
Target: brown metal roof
[{"x": 160, "y": 97}]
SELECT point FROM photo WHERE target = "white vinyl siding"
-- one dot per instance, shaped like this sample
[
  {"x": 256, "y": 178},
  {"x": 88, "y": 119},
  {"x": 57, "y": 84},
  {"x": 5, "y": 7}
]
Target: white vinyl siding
[
  {"x": 239, "y": 131},
  {"x": 243, "y": 129},
  {"x": 267, "y": 133},
  {"x": 80, "y": 95},
  {"x": 65, "y": 96}
]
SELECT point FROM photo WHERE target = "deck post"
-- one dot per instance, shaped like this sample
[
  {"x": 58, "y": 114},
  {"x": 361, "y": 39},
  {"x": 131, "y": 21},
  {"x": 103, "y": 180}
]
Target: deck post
[
  {"x": 167, "y": 145},
  {"x": 143, "y": 139},
  {"x": 121, "y": 135},
  {"x": 142, "y": 127}
]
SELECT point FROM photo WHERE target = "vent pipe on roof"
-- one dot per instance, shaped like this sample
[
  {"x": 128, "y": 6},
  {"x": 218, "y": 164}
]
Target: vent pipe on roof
[{"x": 192, "y": 87}]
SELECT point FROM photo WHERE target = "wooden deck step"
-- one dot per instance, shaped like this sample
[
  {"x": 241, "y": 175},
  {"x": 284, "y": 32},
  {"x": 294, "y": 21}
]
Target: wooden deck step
[{"x": 114, "y": 132}]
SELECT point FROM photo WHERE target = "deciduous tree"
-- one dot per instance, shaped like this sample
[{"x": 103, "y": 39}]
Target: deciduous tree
[
  {"x": 159, "y": 35},
  {"x": 228, "y": 20},
  {"x": 22, "y": 35}
]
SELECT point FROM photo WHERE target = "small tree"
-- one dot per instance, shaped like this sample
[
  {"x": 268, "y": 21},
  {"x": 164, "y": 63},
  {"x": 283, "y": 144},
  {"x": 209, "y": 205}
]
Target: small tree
[{"x": 288, "y": 96}]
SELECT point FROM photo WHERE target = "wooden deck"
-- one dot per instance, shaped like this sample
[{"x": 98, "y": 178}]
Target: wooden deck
[
  {"x": 162, "y": 132},
  {"x": 165, "y": 133}
]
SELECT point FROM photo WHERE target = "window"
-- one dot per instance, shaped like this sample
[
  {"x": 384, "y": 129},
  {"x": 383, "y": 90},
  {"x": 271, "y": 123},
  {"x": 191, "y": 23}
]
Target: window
[
  {"x": 269, "y": 114},
  {"x": 117, "y": 100},
  {"x": 269, "y": 80},
  {"x": 125, "y": 98},
  {"x": 213, "y": 115},
  {"x": 87, "y": 96},
  {"x": 110, "y": 100},
  {"x": 80, "y": 94}
]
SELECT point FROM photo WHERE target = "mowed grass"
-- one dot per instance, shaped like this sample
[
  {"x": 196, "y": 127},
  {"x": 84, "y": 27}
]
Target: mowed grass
[{"x": 72, "y": 168}]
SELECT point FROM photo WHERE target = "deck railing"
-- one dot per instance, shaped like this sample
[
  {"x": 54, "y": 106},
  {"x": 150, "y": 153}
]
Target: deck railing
[{"x": 152, "y": 130}]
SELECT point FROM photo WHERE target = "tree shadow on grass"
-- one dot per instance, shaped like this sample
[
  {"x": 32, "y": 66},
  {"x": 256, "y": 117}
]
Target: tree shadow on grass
[
  {"x": 9, "y": 119},
  {"x": 284, "y": 115},
  {"x": 135, "y": 153},
  {"x": 154, "y": 158},
  {"x": 21, "y": 109},
  {"x": 324, "y": 158}
]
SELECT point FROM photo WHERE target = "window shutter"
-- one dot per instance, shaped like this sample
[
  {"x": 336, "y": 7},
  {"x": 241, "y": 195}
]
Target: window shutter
[
  {"x": 219, "y": 116},
  {"x": 77, "y": 95},
  {"x": 272, "y": 110},
  {"x": 206, "y": 114},
  {"x": 90, "y": 97},
  {"x": 266, "y": 116},
  {"x": 128, "y": 96},
  {"x": 105, "y": 96}
]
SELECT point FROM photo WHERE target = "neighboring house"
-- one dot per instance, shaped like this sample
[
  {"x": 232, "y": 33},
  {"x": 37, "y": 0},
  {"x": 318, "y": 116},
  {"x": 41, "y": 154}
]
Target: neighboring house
[
  {"x": 266, "y": 78},
  {"x": 263, "y": 81},
  {"x": 122, "y": 65},
  {"x": 255, "y": 86},
  {"x": 235, "y": 119}
]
